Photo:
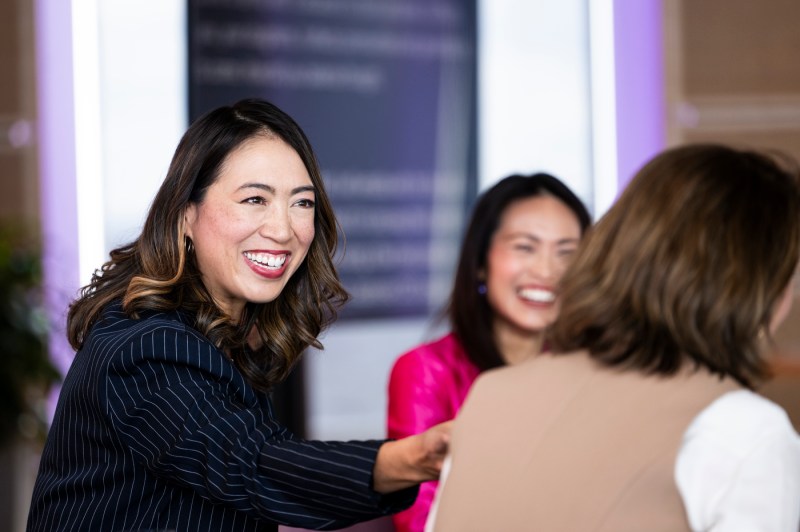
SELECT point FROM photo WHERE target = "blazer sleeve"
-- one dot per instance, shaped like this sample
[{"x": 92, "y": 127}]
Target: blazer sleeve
[{"x": 191, "y": 419}]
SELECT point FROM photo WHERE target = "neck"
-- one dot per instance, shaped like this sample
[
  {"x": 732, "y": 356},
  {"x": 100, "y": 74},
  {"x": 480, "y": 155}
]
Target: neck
[
  {"x": 515, "y": 344},
  {"x": 254, "y": 340}
]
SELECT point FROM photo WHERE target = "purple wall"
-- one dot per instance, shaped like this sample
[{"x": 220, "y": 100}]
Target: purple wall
[
  {"x": 639, "y": 63},
  {"x": 56, "y": 145}
]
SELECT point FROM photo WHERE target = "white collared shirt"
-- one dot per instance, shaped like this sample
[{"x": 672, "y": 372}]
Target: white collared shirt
[{"x": 738, "y": 468}]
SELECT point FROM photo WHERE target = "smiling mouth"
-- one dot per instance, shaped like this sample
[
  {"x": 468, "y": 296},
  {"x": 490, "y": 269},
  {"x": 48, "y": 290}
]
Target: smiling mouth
[
  {"x": 537, "y": 295},
  {"x": 266, "y": 260}
]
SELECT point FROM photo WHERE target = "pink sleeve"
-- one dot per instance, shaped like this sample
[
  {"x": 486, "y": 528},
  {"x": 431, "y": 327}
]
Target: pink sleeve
[{"x": 418, "y": 399}]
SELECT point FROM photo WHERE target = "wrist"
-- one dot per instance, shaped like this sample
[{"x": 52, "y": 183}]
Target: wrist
[{"x": 395, "y": 466}]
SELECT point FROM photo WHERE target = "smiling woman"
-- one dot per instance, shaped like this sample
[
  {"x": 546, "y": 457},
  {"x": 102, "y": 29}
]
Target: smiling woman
[
  {"x": 529, "y": 251},
  {"x": 165, "y": 420},
  {"x": 252, "y": 230},
  {"x": 520, "y": 239}
]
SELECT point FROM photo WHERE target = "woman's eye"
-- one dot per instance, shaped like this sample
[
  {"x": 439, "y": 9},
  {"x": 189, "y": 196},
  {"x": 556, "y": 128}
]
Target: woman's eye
[
  {"x": 566, "y": 253},
  {"x": 306, "y": 203},
  {"x": 527, "y": 248},
  {"x": 255, "y": 200}
]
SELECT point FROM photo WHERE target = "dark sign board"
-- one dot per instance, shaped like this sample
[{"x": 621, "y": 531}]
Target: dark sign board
[{"x": 386, "y": 92}]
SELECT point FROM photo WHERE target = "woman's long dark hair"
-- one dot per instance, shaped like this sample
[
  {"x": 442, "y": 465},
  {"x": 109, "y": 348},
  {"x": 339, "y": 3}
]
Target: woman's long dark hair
[
  {"x": 157, "y": 272},
  {"x": 471, "y": 317}
]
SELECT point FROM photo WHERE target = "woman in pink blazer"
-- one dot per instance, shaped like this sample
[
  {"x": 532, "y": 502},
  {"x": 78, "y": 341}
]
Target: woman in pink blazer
[{"x": 521, "y": 236}]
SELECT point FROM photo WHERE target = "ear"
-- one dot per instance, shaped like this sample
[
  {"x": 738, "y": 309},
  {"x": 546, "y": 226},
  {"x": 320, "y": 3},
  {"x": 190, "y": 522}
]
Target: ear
[
  {"x": 189, "y": 218},
  {"x": 782, "y": 307}
]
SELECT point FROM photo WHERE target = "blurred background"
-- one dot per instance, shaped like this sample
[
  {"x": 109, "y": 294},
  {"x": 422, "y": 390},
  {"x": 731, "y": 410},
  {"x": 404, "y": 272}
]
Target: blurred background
[{"x": 414, "y": 107}]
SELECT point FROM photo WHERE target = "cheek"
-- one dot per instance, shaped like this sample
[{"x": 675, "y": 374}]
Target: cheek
[
  {"x": 220, "y": 232},
  {"x": 503, "y": 268},
  {"x": 561, "y": 266},
  {"x": 304, "y": 229},
  {"x": 212, "y": 221}
]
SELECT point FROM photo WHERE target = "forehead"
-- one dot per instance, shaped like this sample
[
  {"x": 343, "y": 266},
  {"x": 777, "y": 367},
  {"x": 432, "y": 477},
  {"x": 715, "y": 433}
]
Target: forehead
[
  {"x": 539, "y": 213},
  {"x": 264, "y": 159}
]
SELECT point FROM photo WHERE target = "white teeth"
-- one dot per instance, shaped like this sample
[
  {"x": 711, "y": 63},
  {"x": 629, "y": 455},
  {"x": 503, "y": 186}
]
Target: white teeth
[
  {"x": 538, "y": 295},
  {"x": 266, "y": 259}
]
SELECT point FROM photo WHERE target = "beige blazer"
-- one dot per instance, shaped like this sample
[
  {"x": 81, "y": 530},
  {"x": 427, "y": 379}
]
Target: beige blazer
[{"x": 558, "y": 443}]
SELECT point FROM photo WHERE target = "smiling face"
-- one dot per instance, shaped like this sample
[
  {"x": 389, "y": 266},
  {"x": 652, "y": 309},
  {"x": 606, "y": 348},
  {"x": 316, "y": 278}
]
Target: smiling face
[
  {"x": 253, "y": 228},
  {"x": 528, "y": 253}
]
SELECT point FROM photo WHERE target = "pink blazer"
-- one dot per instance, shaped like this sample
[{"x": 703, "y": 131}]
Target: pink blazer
[{"x": 427, "y": 386}]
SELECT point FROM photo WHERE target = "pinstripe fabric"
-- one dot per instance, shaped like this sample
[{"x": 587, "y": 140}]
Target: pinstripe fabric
[{"x": 156, "y": 430}]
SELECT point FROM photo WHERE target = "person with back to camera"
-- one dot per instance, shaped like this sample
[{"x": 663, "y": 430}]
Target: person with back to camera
[
  {"x": 164, "y": 420},
  {"x": 522, "y": 234},
  {"x": 644, "y": 416}
]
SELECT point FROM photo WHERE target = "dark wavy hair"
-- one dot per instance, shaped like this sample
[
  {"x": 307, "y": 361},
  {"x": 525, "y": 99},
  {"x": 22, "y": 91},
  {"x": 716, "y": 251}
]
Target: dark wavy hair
[
  {"x": 686, "y": 266},
  {"x": 155, "y": 271},
  {"x": 470, "y": 315}
]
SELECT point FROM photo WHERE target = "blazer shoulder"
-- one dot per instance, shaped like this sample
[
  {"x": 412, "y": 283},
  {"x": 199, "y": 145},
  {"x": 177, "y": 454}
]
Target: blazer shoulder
[
  {"x": 150, "y": 333},
  {"x": 440, "y": 355}
]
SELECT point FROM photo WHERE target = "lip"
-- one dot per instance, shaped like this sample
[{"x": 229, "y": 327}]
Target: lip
[
  {"x": 537, "y": 304},
  {"x": 264, "y": 271}
]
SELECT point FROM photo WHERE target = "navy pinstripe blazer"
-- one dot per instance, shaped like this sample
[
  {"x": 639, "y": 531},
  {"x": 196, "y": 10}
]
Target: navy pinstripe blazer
[{"x": 156, "y": 430}]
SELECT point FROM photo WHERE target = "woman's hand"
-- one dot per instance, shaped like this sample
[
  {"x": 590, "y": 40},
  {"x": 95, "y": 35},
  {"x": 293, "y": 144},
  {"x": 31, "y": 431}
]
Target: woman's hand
[{"x": 409, "y": 461}]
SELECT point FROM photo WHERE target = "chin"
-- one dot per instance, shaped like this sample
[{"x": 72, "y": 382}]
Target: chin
[
  {"x": 266, "y": 299},
  {"x": 538, "y": 326},
  {"x": 260, "y": 299}
]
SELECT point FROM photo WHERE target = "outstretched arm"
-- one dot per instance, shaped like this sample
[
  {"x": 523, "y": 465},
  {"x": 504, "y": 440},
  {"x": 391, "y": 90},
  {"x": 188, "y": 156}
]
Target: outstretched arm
[{"x": 188, "y": 416}]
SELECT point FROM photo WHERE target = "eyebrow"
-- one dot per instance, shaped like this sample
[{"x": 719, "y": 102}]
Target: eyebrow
[
  {"x": 271, "y": 190},
  {"x": 533, "y": 238}
]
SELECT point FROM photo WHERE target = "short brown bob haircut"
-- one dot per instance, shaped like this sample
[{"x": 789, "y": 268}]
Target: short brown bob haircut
[{"x": 687, "y": 265}]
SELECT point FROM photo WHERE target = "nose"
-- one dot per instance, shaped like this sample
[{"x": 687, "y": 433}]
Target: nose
[
  {"x": 276, "y": 225},
  {"x": 545, "y": 266}
]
